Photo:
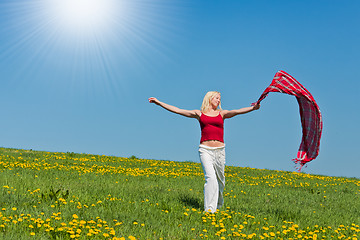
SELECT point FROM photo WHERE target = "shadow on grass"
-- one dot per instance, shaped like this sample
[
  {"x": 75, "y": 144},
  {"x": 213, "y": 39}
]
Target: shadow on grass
[{"x": 190, "y": 201}]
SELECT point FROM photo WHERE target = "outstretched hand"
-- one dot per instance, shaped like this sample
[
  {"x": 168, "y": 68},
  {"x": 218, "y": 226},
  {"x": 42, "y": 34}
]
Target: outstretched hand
[
  {"x": 256, "y": 106},
  {"x": 154, "y": 100}
]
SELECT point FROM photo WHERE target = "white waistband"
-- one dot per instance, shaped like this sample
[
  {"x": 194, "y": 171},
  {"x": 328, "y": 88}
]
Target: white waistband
[{"x": 211, "y": 148}]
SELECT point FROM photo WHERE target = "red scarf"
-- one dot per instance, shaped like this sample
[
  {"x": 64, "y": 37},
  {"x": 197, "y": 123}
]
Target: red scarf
[{"x": 311, "y": 120}]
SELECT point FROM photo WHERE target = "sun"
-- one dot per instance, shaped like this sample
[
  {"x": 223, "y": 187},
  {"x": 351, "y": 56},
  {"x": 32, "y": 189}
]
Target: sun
[
  {"x": 89, "y": 44},
  {"x": 81, "y": 17}
]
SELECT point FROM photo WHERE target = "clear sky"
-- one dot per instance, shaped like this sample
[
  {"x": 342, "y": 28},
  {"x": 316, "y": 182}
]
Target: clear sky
[{"x": 75, "y": 77}]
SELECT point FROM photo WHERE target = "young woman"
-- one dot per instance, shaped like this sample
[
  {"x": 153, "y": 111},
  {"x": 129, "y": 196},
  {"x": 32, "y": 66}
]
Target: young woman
[{"x": 212, "y": 147}]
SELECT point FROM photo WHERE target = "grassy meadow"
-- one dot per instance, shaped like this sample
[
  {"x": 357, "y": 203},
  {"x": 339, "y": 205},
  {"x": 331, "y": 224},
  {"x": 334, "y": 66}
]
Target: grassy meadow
[{"x": 47, "y": 195}]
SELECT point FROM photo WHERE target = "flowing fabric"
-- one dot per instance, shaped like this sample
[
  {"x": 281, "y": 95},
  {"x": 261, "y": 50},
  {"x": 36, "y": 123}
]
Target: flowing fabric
[{"x": 310, "y": 115}]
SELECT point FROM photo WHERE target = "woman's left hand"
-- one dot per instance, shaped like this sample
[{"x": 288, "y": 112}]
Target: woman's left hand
[{"x": 256, "y": 106}]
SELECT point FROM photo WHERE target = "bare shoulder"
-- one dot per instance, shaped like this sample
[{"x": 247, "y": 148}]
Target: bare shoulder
[
  {"x": 224, "y": 112},
  {"x": 197, "y": 113}
]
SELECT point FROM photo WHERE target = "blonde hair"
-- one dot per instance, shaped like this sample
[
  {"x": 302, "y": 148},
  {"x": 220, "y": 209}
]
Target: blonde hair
[{"x": 207, "y": 99}]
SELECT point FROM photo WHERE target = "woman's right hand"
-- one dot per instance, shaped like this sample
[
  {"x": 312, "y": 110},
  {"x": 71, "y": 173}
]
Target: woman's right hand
[{"x": 154, "y": 100}]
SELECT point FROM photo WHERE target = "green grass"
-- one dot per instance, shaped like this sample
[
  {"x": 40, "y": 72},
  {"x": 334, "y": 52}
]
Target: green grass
[{"x": 45, "y": 195}]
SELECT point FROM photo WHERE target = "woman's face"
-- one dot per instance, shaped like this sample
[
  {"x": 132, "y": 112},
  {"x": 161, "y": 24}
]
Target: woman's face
[{"x": 215, "y": 101}]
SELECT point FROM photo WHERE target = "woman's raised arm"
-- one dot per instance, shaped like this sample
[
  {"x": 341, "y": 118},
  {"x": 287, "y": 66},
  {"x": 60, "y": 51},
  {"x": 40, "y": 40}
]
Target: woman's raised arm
[
  {"x": 183, "y": 112},
  {"x": 233, "y": 113}
]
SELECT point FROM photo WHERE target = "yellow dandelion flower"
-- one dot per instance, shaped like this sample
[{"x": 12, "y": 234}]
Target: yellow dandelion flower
[{"x": 32, "y": 233}]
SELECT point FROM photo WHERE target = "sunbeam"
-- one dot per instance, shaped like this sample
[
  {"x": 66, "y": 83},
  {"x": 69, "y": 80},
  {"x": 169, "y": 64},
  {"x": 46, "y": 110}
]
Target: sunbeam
[{"x": 88, "y": 42}]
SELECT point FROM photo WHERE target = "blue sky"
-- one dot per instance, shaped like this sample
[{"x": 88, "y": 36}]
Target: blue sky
[{"x": 67, "y": 89}]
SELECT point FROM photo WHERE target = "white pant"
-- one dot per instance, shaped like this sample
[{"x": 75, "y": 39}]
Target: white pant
[{"x": 213, "y": 163}]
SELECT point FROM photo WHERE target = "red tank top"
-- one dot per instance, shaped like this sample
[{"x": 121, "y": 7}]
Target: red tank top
[{"x": 212, "y": 128}]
